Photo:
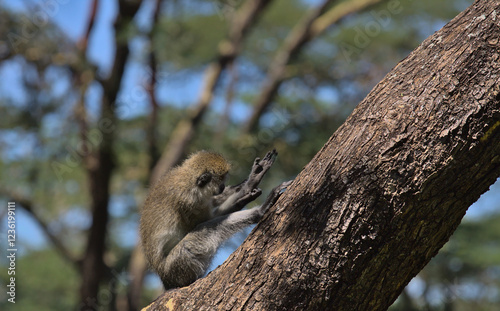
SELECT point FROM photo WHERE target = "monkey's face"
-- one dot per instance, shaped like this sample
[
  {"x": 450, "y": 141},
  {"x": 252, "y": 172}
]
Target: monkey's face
[
  {"x": 211, "y": 182},
  {"x": 210, "y": 170}
]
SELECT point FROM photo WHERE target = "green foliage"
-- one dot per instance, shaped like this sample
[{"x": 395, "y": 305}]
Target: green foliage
[
  {"x": 44, "y": 281},
  {"x": 189, "y": 41},
  {"x": 466, "y": 272}
]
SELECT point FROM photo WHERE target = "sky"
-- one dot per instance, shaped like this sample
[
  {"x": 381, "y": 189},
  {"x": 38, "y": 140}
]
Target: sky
[{"x": 70, "y": 16}]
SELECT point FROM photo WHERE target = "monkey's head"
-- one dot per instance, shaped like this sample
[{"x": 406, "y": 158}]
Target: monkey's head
[{"x": 210, "y": 170}]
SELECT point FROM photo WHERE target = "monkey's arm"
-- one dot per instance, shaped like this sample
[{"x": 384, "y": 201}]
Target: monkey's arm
[
  {"x": 190, "y": 258},
  {"x": 234, "y": 198}
]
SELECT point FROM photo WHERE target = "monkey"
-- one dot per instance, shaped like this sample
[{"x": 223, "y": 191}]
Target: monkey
[{"x": 190, "y": 212}]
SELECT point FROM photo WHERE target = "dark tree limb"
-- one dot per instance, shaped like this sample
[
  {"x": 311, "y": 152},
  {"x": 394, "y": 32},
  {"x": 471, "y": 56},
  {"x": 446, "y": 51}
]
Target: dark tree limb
[
  {"x": 137, "y": 267},
  {"x": 101, "y": 169},
  {"x": 229, "y": 99},
  {"x": 153, "y": 150},
  {"x": 82, "y": 81},
  {"x": 385, "y": 192},
  {"x": 83, "y": 43}
]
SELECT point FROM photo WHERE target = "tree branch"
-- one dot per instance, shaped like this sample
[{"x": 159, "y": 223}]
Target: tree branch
[
  {"x": 83, "y": 43},
  {"x": 28, "y": 206},
  {"x": 138, "y": 266},
  {"x": 83, "y": 80},
  {"x": 100, "y": 172},
  {"x": 151, "y": 89},
  {"x": 229, "y": 49},
  {"x": 224, "y": 120},
  {"x": 312, "y": 25}
]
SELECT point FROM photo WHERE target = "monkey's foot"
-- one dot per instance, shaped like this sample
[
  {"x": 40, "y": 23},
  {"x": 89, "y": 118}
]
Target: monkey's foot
[{"x": 275, "y": 195}]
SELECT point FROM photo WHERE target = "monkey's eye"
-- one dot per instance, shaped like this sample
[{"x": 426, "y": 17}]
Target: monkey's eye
[
  {"x": 221, "y": 188},
  {"x": 203, "y": 180}
]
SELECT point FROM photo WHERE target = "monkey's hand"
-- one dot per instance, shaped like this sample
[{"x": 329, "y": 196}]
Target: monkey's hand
[
  {"x": 234, "y": 198},
  {"x": 247, "y": 197},
  {"x": 274, "y": 196},
  {"x": 237, "y": 201},
  {"x": 249, "y": 190},
  {"x": 260, "y": 168}
]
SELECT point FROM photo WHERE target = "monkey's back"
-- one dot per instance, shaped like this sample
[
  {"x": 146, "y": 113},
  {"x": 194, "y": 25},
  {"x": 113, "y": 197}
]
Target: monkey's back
[{"x": 170, "y": 211}]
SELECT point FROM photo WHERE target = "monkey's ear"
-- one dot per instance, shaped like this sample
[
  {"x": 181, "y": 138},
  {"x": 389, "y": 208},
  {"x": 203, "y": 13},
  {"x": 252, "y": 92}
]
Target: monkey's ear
[{"x": 203, "y": 180}]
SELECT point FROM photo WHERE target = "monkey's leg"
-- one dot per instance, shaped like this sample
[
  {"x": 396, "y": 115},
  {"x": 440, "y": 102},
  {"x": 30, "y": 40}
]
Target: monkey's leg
[{"x": 191, "y": 257}]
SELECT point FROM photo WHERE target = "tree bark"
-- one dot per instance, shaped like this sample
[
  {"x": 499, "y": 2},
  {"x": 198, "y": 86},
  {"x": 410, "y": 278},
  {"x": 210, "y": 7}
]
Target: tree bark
[{"x": 386, "y": 191}]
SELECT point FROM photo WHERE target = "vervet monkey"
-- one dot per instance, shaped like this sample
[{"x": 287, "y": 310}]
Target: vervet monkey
[{"x": 189, "y": 213}]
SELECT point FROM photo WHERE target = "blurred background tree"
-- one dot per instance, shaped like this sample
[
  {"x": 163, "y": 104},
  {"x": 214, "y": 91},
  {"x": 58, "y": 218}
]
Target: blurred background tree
[{"x": 98, "y": 98}]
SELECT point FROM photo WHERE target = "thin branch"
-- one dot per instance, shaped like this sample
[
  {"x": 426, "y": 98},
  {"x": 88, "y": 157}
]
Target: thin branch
[
  {"x": 137, "y": 271},
  {"x": 224, "y": 120},
  {"x": 151, "y": 90},
  {"x": 314, "y": 24},
  {"x": 229, "y": 49},
  {"x": 337, "y": 13},
  {"x": 83, "y": 43},
  {"x": 83, "y": 80},
  {"x": 27, "y": 204},
  {"x": 138, "y": 266}
]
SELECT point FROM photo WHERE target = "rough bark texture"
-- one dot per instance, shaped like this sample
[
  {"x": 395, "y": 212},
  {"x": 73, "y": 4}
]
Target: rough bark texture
[{"x": 386, "y": 191}]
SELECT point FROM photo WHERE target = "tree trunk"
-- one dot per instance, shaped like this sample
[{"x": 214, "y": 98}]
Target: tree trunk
[{"x": 385, "y": 192}]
